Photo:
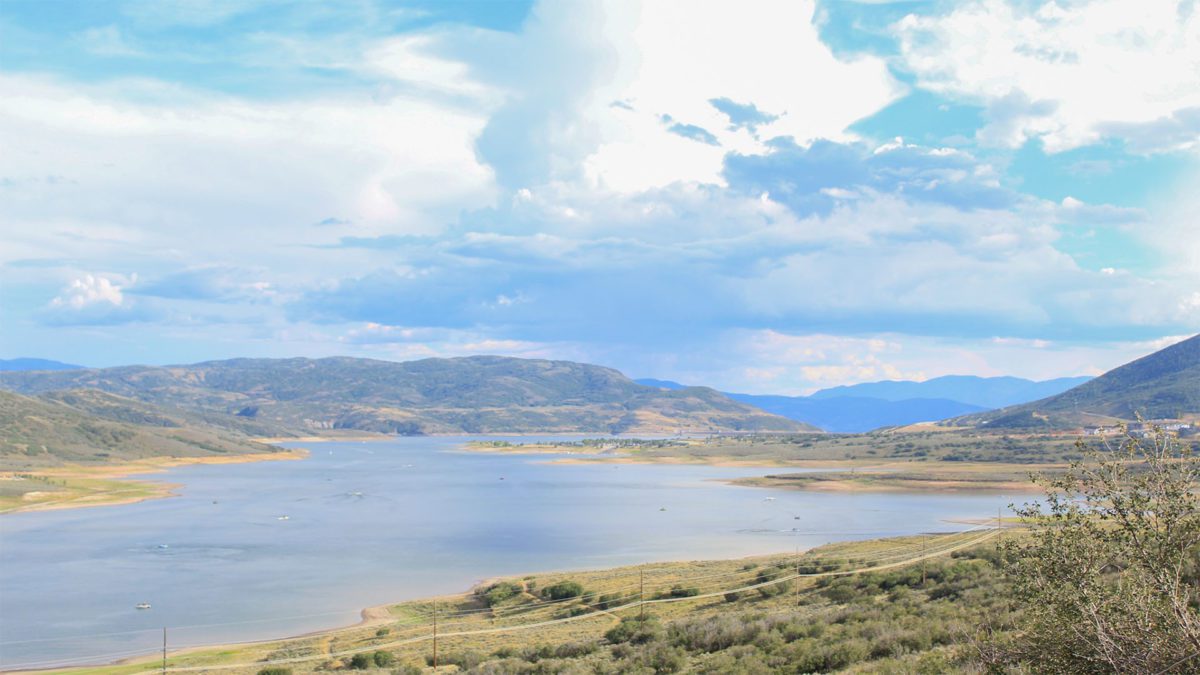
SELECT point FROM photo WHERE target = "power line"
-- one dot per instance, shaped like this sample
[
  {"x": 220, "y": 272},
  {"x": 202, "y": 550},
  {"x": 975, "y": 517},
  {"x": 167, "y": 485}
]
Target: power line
[{"x": 640, "y": 604}]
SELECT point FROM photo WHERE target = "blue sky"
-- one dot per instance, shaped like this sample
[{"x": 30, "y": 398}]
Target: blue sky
[{"x": 760, "y": 196}]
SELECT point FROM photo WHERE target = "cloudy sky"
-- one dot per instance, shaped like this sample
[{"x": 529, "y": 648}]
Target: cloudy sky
[{"x": 760, "y": 196}]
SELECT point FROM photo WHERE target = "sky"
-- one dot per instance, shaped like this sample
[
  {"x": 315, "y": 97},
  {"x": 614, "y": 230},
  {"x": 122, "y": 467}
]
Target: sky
[{"x": 758, "y": 196}]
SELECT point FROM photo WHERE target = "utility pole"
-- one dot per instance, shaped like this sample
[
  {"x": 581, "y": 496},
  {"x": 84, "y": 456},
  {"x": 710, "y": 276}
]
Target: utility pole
[
  {"x": 922, "y": 561},
  {"x": 164, "y": 659},
  {"x": 435, "y": 660},
  {"x": 641, "y": 597},
  {"x": 797, "y": 574}
]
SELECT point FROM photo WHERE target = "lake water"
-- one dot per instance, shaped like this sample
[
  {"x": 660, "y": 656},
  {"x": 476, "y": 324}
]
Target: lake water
[{"x": 369, "y": 523}]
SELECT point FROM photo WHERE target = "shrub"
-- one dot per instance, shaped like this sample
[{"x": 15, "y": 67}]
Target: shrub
[
  {"x": 563, "y": 590},
  {"x": 633, "y": 630},
  {"x": 383, "y": 659},
  {"x": 610, "y": 600},
  {"x": 678, "y": 591},
  {"x": 275, "y": 670},
  {"x": 772, "y": 590},
  {"x": 499, "y": 592},
  {"x": 360, "y": 661}
]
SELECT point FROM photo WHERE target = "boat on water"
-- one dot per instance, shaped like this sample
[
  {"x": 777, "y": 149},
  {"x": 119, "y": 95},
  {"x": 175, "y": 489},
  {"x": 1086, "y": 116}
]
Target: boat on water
[
  {"x": 283, "y": 518},
  {"x": 143, "y": 605}
]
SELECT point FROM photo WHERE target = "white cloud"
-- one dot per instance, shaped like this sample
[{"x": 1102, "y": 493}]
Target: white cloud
[
  {"x": 1070, "y": 73},
  {"x": 227, "y": 177},
  {"x": 91, "y": 290},
  {"x": 598, "y": 86}
]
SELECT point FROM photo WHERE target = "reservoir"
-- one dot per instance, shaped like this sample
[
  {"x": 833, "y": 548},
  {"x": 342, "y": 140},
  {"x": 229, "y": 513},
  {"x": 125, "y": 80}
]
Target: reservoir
[{"x": 272, "y": 549}]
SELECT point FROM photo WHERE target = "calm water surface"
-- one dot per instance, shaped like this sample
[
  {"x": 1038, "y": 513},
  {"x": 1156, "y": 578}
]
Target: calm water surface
[{"x": 368, "y": 523}]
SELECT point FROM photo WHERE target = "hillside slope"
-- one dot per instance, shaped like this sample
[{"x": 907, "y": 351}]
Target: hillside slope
[
  {"x": 38, "y": 432},
  {"x": 480, "y": 394},
  {"x": 1165, "y": 384}
]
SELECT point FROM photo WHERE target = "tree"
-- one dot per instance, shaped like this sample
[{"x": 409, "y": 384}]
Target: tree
[{"x": 1108, "y": 574}]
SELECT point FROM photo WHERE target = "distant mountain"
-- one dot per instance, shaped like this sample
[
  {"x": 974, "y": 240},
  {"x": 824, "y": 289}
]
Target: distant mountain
[
  {"x": 863, "y": 407},
  {"x": 855, "y": 414},
  {"x": 983, "y": 392},
  {"x": 660, "y": 384},
  {"x": 35, "y": 364},
  {"x": 1165, "y": 384},
  {"x": 479, "y": 394},
  {"x": 42, "y": 431}
]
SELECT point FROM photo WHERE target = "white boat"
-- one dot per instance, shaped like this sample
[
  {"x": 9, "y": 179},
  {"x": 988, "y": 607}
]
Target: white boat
[
  {"x": 163, "y": 546},
  {"x": 282, "y": 518},
  {"x": 143, "y": 605}
]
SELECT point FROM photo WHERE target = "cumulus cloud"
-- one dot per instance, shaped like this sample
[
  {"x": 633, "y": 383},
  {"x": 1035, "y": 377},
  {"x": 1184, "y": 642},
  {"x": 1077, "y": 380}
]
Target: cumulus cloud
[
  {"x": 1068, "y": 74},
  {"x": 94, "y": 299},
  {"x": 618, "y": 68},
  {"x": 651, "y": 185}
]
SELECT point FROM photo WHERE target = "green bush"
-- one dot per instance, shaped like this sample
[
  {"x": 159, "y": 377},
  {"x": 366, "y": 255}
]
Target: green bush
[
  {"x": 383, "y": 659},
  {"x": 563, "y": 590},
  {"x": 360, "y": 661},
  {"x": 275, "y": 670},
  {"x": 499, "y": 592}
]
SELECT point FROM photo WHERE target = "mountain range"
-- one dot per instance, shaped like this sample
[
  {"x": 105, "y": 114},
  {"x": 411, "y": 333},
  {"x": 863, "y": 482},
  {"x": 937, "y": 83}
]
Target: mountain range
[
  {"x": 871, "y": 405},
  {"x": 35, "y": 364},
  {"x": 1165, "y": 384},
  {"x": 478, "y": 394}
]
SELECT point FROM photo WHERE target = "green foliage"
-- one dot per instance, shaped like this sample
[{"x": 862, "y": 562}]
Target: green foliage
[
  {"x": 1108, "y": 578},
  {"x": 275, "y": 670},
  {"x": 610, "y": 600},
  {"x": 361, "y": 661},
  {"x": 562, "y": 590},
  {"x": 770, "y": 590},
  {"x": 635, "y": 630},
  {"x": 679, "y": 591},
  {"x": 499, "y": 592},
  {"x": 383, "y": 659}
]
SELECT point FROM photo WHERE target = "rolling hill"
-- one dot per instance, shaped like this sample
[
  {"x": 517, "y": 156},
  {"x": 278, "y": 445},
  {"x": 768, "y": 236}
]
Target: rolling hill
[
  {"x": 49, "y": 430},
  {"x": 479, "y": 394},
  {"x": 1165, "y": 384}
]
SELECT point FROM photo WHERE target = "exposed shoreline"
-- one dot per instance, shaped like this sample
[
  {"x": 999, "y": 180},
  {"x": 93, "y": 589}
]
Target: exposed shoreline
[
  {"x": 112, "y": 485},
  {"x": 882, "y": 474}
]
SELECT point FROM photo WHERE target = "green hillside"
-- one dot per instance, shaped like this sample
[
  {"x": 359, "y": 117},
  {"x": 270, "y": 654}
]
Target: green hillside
[
  {"x": 482, "y": 394},
  {"x": 1165, "y": 384},
  {"x": 49, "y": 431}
]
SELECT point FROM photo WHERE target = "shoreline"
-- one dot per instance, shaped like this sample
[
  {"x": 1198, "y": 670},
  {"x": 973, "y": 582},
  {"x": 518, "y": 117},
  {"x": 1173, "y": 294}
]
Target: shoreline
[
  {"x": 375, "y": 615},
  {"x": 250, "y": 653},
  {"x": 89, "y": 486}
]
